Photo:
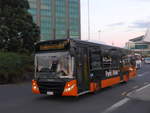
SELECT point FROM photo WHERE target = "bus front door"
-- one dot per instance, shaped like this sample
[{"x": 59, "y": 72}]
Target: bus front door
[{"x": 82, "y": 70}]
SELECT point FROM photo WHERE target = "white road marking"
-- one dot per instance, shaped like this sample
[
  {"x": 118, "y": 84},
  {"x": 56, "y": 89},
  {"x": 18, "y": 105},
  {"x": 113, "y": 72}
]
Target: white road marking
[
  {"x": 116, "y": 105},
  {"x": 135, "y": 87},
  {"x": 137, "y": 90},
  {"x": 124, "y": 93},
  {"x": 140, "y": 75},
  {"x": 146, "y": 83},
  {"x": 142, "y": 88}
]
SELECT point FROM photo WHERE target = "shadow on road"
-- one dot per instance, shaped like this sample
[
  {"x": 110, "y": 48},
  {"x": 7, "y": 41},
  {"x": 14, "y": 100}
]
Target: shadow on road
[
  {"x": 63, "y": 98},
  {"x": 88, "y": 96}
]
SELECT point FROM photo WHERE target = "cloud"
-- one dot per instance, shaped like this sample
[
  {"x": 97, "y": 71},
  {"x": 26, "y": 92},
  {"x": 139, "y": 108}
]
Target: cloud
[
  {"x": 116, "y": 24},
  {"x": 140, "y": 24}
]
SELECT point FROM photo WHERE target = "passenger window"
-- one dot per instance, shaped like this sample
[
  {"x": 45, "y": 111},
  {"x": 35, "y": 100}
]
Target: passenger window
[
  {"x": 107, "y": 62},
  {"x": 95, "y": 60}
]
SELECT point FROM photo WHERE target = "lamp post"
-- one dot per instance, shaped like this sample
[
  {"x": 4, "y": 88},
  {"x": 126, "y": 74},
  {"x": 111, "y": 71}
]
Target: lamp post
[
  {"x": 99, "y": 35},
  {"x": 88, "y": 19}
]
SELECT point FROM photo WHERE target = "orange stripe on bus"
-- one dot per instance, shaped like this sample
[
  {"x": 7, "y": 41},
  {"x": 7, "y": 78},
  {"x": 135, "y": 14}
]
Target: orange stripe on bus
[
  {"x": 110, "y": 82},
  {"x": 132, "y": 74},
  {"x": 93, "y": 87},
  {"x": 125, "y": 78},
  {"x": 71, "y": 89}
]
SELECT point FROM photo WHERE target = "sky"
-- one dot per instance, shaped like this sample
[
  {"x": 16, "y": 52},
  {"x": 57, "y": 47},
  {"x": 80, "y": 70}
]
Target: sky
[{"x": 115, "y": 21}]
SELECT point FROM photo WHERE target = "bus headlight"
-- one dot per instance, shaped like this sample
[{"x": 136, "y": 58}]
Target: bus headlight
[
  {"x": 34, "y": 84},
  {"x": 69, "y": 88},
  {"x": 35, "y": 88}
]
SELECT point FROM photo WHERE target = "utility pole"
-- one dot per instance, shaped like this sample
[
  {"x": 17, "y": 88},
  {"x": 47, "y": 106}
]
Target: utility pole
[
  {"x": 113, "y": 44},
  {"x": 88, "y": 19},
  {"x": 99, "y": 35}
]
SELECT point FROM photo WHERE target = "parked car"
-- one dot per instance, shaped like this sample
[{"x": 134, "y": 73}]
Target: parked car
[{"x": 147, "y": 60}]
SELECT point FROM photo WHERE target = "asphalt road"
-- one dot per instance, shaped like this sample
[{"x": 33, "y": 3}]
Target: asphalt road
[{"x": 19, "y": 99}]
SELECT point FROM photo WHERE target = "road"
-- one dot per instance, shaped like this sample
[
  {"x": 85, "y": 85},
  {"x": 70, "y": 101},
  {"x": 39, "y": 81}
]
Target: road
[{"x": 19, "y": 99}]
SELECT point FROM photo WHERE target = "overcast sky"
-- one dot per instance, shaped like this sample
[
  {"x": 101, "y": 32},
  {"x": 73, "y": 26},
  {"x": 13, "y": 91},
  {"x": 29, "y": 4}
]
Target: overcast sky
[{"x": 118, "y": 20}]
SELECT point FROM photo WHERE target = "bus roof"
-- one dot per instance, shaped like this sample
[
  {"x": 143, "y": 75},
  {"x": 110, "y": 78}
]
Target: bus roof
[
  {"x": 89, "y": 43},
  {"x": 79, "y": 41}
]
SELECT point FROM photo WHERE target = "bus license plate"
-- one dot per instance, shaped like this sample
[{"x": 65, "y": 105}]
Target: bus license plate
[{"x": 50, "y": 93}]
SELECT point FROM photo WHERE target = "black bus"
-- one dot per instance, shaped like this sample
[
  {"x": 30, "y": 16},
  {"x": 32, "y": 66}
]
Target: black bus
[{"x": 72, "y": 67}]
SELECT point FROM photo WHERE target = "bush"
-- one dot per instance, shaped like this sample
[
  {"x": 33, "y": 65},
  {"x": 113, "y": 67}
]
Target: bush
[{"x": 13, "y": 67}]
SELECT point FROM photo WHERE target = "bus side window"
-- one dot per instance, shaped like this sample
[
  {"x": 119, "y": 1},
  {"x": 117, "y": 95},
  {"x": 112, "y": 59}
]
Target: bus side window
[
  {"x": 107, "y": 62},
  {"x": 115, "y": 62},
  {"x": 95, "y": 64},
  {"x": 95, "y": 60}
]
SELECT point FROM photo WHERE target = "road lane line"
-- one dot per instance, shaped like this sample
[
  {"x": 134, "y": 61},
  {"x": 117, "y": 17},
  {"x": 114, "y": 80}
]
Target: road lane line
[
  {"x": 124, "y": 93},
  {"x": 145, "y": 83},
  {"x": 116, "y": 105},
  {"x": 142, "y": 88},
  {"x": 140, "y": 75},
  {"x": 137, "y": 90},
  {"x": 135, "y": 87}
]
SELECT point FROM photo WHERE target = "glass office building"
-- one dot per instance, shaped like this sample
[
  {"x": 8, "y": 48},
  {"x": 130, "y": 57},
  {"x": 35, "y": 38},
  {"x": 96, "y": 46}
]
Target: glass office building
[{"x": 58, "y": 19}]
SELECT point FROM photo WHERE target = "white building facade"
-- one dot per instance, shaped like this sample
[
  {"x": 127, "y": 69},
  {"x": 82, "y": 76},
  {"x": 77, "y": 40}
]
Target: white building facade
[{"x": 140, "y": 44}]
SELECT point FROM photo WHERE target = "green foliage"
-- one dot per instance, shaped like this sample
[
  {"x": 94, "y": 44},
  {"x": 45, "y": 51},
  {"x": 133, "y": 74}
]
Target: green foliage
[
  {"x": 18, "y": 33},
  {"x": 13, "y": 66}
]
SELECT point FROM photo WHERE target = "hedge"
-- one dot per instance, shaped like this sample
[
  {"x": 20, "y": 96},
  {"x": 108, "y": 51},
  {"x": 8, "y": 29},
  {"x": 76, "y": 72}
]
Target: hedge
[{"x": 15, "y": 67}]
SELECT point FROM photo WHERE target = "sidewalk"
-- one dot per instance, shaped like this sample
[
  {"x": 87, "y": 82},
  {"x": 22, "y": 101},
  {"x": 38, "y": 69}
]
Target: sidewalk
[{"x": 141, "y": 94}]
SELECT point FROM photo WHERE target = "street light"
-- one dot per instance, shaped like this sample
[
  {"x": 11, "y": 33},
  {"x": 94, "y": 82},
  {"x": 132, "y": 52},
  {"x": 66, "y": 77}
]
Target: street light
[
  {"x": 88, "y": 19},
  {"x": 99, "y": 35}
]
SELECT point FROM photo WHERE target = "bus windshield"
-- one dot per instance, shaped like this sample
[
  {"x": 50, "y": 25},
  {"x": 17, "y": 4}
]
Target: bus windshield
[{"x": 59, "y": 64}]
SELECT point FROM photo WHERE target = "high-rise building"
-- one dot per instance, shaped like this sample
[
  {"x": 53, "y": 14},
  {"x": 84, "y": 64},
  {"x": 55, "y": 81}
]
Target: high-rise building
[{"x": 58, "y": 19}]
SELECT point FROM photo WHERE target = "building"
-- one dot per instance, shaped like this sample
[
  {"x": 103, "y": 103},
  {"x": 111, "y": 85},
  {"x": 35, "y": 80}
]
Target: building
[
  {"x": 140, "y": 44},
  {"x": 58, "y": 19},
  {"x": 147, "y": 36}
]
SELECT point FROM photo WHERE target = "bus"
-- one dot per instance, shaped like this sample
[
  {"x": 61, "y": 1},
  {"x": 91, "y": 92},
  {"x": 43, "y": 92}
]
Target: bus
[{"x": 72, "y": 67}]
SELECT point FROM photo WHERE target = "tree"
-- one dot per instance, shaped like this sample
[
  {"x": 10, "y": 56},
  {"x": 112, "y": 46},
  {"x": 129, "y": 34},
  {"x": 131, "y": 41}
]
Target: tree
[{"x": 18, "y": 32}]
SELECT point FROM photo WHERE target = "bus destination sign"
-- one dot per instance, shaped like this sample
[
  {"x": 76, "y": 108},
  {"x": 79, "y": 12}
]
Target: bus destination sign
[{"x": 55, "y": 46}]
